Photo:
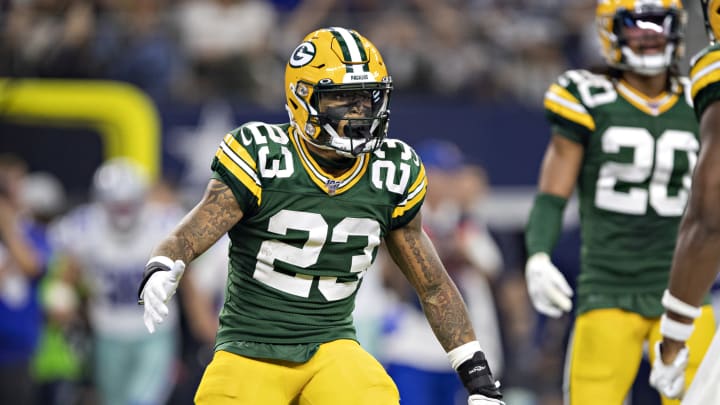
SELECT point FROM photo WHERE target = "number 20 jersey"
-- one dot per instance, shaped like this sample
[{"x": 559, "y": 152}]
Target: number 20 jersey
[
  {"x": 298, "y": 255},
  {"x": 633, "y": 186}
]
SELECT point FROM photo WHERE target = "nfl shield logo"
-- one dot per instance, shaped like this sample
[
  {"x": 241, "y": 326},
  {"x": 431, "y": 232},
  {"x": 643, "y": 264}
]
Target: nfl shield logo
[{"x": 332, "y": 186}]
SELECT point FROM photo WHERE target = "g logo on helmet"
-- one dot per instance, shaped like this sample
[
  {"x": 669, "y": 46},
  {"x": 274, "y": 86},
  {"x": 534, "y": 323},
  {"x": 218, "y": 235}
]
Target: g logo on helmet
[{"x": 302, "y": 55}]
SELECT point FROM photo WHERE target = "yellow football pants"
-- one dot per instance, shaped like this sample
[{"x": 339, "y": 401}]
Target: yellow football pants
[
  {"x": 606, "y": 349},
  {"x": 341, "y": 372}
]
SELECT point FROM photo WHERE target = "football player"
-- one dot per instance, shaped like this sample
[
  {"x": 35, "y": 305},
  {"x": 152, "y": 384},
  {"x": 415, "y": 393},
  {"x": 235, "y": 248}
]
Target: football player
[
  {"x": 306, "y": 205},
  {"x": 626, "y": 138},
  {"x": 697, "y": 257},
  {"x": 105, "y": 244}
]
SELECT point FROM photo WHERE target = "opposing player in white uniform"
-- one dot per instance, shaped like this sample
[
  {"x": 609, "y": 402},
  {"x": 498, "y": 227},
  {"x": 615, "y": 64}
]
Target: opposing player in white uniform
[{"x": 106, "y": 242}]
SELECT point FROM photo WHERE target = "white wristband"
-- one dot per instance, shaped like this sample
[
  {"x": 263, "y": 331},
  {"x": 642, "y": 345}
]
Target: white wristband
[
  {"x": 679, "y": 307},
  {"x": 463, "y": 352},
  {"x": 675, "y": 330},
  {"x": 164, "y": 260}
]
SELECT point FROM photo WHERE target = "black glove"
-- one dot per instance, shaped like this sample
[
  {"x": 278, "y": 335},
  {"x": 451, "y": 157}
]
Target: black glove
[{"x": 477, "y": 378}]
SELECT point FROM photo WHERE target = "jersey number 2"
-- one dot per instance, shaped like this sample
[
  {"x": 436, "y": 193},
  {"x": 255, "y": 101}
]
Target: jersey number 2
[
  {"x": 645, "y": 150},
  {"x": 309, "y": 253}
]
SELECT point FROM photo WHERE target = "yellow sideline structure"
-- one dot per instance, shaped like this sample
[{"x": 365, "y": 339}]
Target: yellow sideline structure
[{"x": 125, "y": 117}]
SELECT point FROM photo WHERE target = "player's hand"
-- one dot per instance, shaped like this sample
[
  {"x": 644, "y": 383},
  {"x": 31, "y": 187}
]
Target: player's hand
[
  {"x": 478, "y": 399},
  {"x": 669, "y": 379},
  {"x": 549, "y": 291},
  {"x": 158, "y": 290}
]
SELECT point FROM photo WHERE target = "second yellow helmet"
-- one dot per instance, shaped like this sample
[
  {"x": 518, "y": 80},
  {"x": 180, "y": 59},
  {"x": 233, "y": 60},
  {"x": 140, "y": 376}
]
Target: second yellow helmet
[{"x": 616, "y": 18}]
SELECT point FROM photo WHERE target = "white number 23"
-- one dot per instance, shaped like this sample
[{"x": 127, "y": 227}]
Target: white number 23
[{"x": 309, "y": 253}]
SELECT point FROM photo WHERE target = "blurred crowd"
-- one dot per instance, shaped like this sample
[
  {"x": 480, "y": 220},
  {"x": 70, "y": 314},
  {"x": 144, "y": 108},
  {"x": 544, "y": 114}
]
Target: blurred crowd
[{"x": 195, "y": 50}]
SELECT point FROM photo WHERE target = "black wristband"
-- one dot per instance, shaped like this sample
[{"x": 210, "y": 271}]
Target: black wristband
[
  {"x": 476, "y": 377},
  {"x": 150, "y": 269}
]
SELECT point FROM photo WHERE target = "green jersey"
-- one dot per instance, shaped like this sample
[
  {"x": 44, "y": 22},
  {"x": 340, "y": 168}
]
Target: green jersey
[
  {"x": 306, "y": 238},
  {"x": 705, "y": 78},
  {"x": 633, "y": 185}
]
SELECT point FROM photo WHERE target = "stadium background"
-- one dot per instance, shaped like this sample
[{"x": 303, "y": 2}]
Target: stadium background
[{"x": 470, "y": 71}]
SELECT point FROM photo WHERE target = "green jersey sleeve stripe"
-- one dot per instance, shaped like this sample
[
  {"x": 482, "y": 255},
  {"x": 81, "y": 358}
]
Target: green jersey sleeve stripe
[{"x": 352, "y": 49}]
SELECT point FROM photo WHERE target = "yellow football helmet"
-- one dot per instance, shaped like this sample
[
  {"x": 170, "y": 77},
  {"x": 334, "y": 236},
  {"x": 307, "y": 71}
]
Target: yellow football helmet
[
  {"x": 712, "y": 18},
  {"x": 334, "y": 61},
  {"x": 615, "y": 17}
]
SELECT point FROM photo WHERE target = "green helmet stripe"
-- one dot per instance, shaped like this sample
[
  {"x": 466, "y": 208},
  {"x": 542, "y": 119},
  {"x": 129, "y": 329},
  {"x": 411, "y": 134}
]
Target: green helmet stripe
[{"x": 352, "y": 48}]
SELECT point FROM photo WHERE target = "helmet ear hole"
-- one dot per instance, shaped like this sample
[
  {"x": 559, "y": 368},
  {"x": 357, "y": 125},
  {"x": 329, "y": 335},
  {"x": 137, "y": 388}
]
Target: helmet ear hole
[{"x": 309, "y": 129}]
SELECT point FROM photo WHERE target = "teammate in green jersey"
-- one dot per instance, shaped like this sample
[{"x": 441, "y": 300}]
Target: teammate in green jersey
[
  {"x": 306, "y": 205},
  {"x": 626, "y": 138},
  {"x": 697, "y": 257}
]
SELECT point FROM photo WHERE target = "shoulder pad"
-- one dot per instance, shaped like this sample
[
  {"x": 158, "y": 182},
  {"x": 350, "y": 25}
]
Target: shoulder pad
[
  {"x": 705, "y": 69},
  {"x": 703, "y": 52},
  {"x": 237, "y": 156},
  {"x": 573, "y": 96},
  {"x": 407, "y": 178},
  {"x": 250, "y": 137},
  {"x": 397, "y": 150},
  {"x": 255, "y": 133}
]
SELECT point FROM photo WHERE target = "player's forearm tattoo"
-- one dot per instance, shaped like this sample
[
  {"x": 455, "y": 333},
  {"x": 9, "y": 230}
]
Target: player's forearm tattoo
[
  {"x": 441, "y": 301},
  {"x": 216, "y": 213}
]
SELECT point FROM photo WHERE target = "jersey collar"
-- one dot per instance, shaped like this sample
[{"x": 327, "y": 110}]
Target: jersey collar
[
  {"x": 325, "y": 181},
  {"x": 650, "y": 105}
]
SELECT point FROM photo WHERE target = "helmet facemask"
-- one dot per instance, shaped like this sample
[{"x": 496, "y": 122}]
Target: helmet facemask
[
  {"x": 646, "y": 28},
  {"x": 353, "y": 118}
]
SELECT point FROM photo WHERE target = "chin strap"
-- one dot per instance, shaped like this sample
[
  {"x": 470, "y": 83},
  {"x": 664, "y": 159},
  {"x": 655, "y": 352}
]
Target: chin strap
[{"x": 648, "y": 64}]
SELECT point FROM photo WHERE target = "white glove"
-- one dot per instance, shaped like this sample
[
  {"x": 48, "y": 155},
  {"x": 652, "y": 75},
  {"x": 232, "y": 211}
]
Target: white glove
[
  {"x": 477, "y": 399},
  {"x": 669, "y": 379},
  {"x": 549, "y": 291},
  {"x": 158, "y": 290}
]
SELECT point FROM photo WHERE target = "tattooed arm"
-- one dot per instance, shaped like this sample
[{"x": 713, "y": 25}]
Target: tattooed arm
[
  {"x": 444, "y": 309},
  {"x": 415, "y": 255},
  {"x": 208, "y": 221}
]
